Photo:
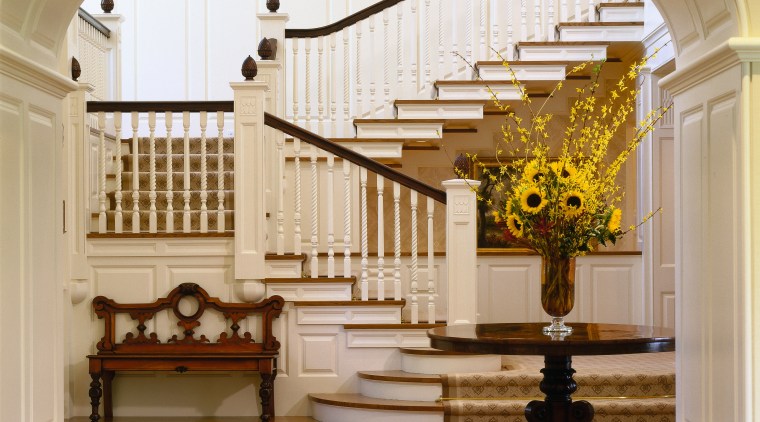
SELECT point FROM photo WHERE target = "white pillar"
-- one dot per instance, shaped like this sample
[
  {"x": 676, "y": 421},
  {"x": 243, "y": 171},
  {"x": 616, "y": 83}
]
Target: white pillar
[
  {"x": 113, "y": 22},
  {"x": 250, "y": 198},
  {"x": 461, "y": 242}
]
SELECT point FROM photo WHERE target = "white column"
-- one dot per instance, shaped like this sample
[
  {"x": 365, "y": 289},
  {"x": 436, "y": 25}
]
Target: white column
[
  {"x": 461, "y": 242},
  {"x": 250, "y": 198}
]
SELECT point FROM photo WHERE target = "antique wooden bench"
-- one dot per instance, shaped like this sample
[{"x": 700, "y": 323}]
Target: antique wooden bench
[{"x": 145, "y": 352}]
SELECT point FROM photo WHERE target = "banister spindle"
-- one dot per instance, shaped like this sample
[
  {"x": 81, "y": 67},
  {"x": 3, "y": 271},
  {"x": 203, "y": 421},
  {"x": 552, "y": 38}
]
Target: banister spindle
[
  {"x": 441, "y": 48},
  {"x": 358, "y": 66},
  {"x": 152, "y": 217},
  {"x": 321, "y": 80},
  {"x": 118, "y": 217},
  {"x": 346, "y": 81},
  {"x": 380, "y": 239},
  {"x": 307, "y": 83},
  {"x": 414, "y": 284},
  {"x": 591, "y": 10},
  {"x": 186, "y": 172},
  {"x": 168, "y": 117},
  {"x": 332, "y": 90},
  {"x": 135, "y": 175},
  {"x": 371, "y": 59},
  {"x": 577, "y": 15},
  {"x": 523, "y": 21},
  {"x": 204, "y": 173},
  {"x": 416, "y": 45},
  {"x": 295, "y": 79},
  {"x": 280, "y": 140},
  {"x": 314, "y": 214},
  {"x": 365, "y": 254},
  {"x": 330, "y": 215},
  {"x": 563, "y": 12},
  {"x": 220, "y": 219},
  {"x": 456, "y": 32},
  {"x": 510, "y": 35},
  {"x": 386, "y": 64},
  {"x": 396, "y": 241},
  {"x": 297, "y": 199},
  {"x": 346, "y": 218},
  {"x": 496, "y": 23},
  {"x": 399, "y": 49},
  {"x": 482, "y": 14},
  {"x": 551, "y": 25},
  {"x": 431, "y": 261},
  {"x": 468, "y": 31},
  {"x": 102, "y": 219},
  {"x": 537, "y": 21}
]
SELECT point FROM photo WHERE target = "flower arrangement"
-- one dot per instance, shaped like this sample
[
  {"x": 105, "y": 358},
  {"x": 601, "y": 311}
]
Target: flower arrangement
[{"x": 560, "y": 205}]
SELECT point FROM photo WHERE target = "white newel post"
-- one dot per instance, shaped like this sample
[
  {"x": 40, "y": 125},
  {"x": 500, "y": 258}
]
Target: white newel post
[
  {"x": 461, "y": 242},
  {"x": 113, "y": 22},
  {"x": 250, "y": 189},
  {"x": 78, "y": 201}
]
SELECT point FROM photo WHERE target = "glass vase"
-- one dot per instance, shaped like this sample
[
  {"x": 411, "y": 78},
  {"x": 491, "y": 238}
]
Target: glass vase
[{"x": 557, "y": 291}]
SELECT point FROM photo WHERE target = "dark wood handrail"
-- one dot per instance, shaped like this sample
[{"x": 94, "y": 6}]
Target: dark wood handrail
[
  {"x": 343, "y": 23},
  {"x": 173, "y": 106},
  {"x": 95, "y": 23},
  {"x": 354, "y": 157}
]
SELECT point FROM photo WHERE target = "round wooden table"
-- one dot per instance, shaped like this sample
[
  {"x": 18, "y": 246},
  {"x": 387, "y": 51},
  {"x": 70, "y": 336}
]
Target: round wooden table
[{"x": 558, "y": 383}]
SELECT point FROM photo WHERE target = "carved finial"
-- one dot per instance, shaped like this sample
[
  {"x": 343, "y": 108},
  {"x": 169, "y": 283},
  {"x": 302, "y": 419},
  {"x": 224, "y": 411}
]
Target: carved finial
[
  {"x": 76, "y": 70},
  {"x": 265, "y": 49},
  {"x": 106, "y": 5},
  {"x": 249, "y": 69},
  {"x": 462, "y": 166},
  {"x": 187, "y": 289},
  {"x": 273, "y": 5}
]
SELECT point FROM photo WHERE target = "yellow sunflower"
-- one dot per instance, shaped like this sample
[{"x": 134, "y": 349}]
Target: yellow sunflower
[
  {"x": 533, "y": 172},
  {"x": 614, "y": 224},
  {"x": 563, "y": 169},
  {"x": 515, "y": 226},
  {"x": 532, "y": 200},
  {"x": 573, "y": 203}
]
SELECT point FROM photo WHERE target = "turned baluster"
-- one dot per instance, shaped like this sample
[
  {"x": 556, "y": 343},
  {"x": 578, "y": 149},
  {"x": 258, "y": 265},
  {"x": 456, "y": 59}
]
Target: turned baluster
[
  {"x": 364, "y": 246},
  {"x": 220, "y": 194},
  {"x": 204, "y": 174},
  {"x": 297, "y": 199},
  {"x": 314, "y": 214},
  {"x": 102, "y": 219},
  {"x": 186, "y": 172},
  {"x": 135, "y": 175},
  {"x": 330, "y": 215},
  {"x": 430, "y": 261},
  {"x": 413, "y": 284},
  {"x": 396, "y": 241},
  {"x": 380, "y": 239},
  {"x": 168, "y": 117},
  {"x": 118, "y": 217},
  {"x": 346, "y": 218}
]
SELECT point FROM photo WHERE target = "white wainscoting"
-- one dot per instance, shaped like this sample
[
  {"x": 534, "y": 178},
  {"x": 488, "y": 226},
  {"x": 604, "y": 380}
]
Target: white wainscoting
[{"x": 609, "y": 288}]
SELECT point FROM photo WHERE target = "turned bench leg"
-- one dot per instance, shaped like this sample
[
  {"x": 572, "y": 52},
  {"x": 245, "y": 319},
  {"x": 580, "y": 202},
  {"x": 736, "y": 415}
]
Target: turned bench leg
[
  {"x": 95, "y": 393},
  {"x": 266, "y": 392}
]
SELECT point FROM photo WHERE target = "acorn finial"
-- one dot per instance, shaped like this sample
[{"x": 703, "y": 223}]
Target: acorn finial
[
  {"x": 249, "y": 68},
  {"x": 462, "y": 166},
  {"x": 273, "y": 5},
  {"x": 106, "y": 5},
  {"x": 265, "y": 49},
  {"x": 76, "y": 70}
]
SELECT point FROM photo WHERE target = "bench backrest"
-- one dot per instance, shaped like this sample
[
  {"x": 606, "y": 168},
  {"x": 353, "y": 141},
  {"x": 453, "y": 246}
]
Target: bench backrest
[{"x": 227, "y": 343}]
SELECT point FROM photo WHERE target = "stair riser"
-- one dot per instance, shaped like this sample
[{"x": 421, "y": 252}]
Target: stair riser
[
  {"x": 328, "y": 413},
  {"x": 607, "y": 33},
  {"x": 317, "y": 315},
  {"x": 569, "y": 53},
  {"x": 399, "y": 130},
  {"x": 311, "y": 291},
  {"x": 446, "y": 364},
  {"x": 387, "y": 338},
  {"x": 446, "y": 111},
  {"x": 621, "y": 14},
  {"x": 400, "y": 390},
  {"x": 523, "y": 72},
  {"x": 473, "y": 92}
]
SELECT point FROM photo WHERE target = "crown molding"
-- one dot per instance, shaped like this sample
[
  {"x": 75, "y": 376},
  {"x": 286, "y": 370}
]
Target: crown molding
[
  {"x": 33, "y": 74},
  {"x": 731, "y": 52}
]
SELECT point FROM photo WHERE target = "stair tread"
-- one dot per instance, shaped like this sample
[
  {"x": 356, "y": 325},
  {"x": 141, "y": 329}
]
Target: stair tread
[
  {"x": 401, "y": 302},
  {"x": 628, "y": 4},
  {"x": 437, "y": 101},
  {"x": 399, "y": 121},
  {"x": 399, "y": 376},
  {"x": 401, "y": 326},
  {"x": 285, "y": 257},
  {"x": 429, "y": 351},
  {"x": 629, "y": 23},
  {"x": 525, "y": 63},
  {"x": 562, "y": 43},
  {"x": 310, "y": 280},
  {"x": 359, "y": 401}
]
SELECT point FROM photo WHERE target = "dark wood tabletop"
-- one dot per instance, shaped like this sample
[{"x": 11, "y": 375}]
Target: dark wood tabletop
[{"x": 528, "y": 339}]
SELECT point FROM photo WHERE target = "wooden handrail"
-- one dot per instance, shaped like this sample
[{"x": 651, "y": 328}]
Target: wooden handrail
[
  {"x": 343, "y": 23},
  {"x": 95, "y": 23},
  {"x": 354, "y": 157},
  {"x": 173, "y": 106}
]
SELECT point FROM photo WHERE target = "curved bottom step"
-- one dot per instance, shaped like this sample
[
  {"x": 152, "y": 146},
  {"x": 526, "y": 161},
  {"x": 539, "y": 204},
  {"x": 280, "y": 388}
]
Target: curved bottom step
[{"x": 355, "y": 407}]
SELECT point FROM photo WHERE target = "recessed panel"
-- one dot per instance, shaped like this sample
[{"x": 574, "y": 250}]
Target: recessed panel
[
  {"x": 612, "y": 300},
  {"x": 318, "y": 355},
  {"x": 509, "y": 293}
]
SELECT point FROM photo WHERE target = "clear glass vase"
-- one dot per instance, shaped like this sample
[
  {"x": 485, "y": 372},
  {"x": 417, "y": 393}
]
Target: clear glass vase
[{"x": 557, "y": 291}]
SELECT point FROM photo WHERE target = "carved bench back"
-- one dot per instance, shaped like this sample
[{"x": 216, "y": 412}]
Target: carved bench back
[{"x": 227, "y": 343}]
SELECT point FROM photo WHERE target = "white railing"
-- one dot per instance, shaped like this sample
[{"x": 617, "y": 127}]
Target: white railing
[{"x": 400, "y": 51}]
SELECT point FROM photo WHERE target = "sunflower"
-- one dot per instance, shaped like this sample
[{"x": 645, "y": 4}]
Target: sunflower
[
  {"x": 572, "y": 203},
  {"x": 515, "y": 226},
  {"x": 563, "y": 169},
  {"x": 533, "y": 172},
  {"x": 614, "y": 224},
  {"x": 531, "y": 200}
]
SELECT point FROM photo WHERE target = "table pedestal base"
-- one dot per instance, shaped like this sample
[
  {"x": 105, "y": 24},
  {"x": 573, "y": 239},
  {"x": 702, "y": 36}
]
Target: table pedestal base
[{"x": 558, "y": 385}]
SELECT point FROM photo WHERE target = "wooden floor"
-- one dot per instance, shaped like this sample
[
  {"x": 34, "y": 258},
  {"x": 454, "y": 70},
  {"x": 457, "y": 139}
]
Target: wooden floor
[{"x": 193, "y": 419}]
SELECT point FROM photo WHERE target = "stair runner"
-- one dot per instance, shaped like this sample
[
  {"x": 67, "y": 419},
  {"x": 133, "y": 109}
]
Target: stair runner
[{"x": 623, "y": 388}]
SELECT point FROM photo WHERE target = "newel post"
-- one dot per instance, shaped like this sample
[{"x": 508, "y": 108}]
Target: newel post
[
  {"x": 461, "y": 242},
  {"x": 250, "y": 180}
]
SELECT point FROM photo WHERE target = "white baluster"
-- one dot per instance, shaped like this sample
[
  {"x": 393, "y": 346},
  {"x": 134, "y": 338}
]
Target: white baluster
[
  {"x": 314, "y": 214},
  {"x": 386, "y": 64},
  {"x": 399, "y": 48},
  {"x": 441, "y": 48},
  {"x": 468, "y": 26},
  {"x": 523, "y": 21},
  {"x": 396, "y": 241},
  {"x": 483, "y": 11},
  {"x": 330, "y": 216},
  {"x": 577, "y": 16},
  {"x": 537, "y": 36},
  {"x": 297, "y": 205},
  {"x": 280, "y": 195},
  {"x": 380, "y": 240},
  {"x": 220, "y": 219},
  {"x": 365, "y": 254},
  {"x": 307, "y": 83},
  {"x": 320, "y": 85},
  {"x": 118, "y": 217},
  {"x": 135, "y": 175},
  {"x": 152, "y": 218},
  {"x": 510, "y": 38},
  {"x": 371, "y": 73},
  {"x": 102, "y": 219},
  {"x": 333, "y": 86},
  {"x": 563, "y": 11},
  {"x": 431, "y": 262},
  {"x": 551, "y": 24},
  {"x": 169, "y": 174},
  {"x": 427, "y": 45},
  {"x": 416, "y": 49},
  {"x": 204, "y": 174},
  {"x": 414, "y": 270},
  {"x": 495, "y": 44},
  {"x": 295, "y": 80},
  {"x": 456, "y": 32},
  {"x": 346, "y": 81},
  {"x": 358, "y": 66},
  {"x": 186, "y": 172},
  {"x": 591, "y": 10},
  {"x": 346, "y": 218}
]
